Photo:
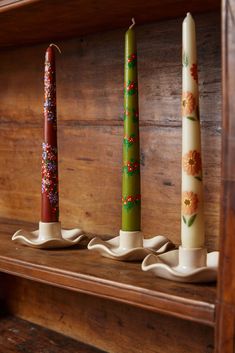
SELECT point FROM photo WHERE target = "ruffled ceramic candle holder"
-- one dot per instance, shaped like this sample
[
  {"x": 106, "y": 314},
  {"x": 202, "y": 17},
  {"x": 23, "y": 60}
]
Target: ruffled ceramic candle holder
[
  {"x": 130, "y": 246},
  {"x": 49, "y": 236},
  {"x": 193, "y": 265}
]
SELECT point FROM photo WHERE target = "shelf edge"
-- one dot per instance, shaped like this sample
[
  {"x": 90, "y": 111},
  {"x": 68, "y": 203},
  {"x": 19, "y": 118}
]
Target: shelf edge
[
  {"x": 196, "y": 311},
  {"x": 8, "y": 5}
]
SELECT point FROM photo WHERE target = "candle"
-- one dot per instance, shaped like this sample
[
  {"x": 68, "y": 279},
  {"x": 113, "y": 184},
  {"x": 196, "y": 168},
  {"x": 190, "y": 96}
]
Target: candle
[
  {"x": 131, "y": 158},
  {"x": 50, "y": 196},
  {"x": 192, "y": 213}
]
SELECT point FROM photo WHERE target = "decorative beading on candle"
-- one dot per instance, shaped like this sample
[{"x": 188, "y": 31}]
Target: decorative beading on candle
[
  {"x": 50, "y": 175},
  {"x": 50, "y": 194},
  {"x": 50, "y": 92}
]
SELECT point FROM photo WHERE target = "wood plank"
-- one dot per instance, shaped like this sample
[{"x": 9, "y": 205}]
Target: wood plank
[
  {"x": 84, "y": 271},
  {"x": 111, "y": 326},
  {"x": 225, "y": 326},
  {"x": 17, "y": 336},
  {"x": 227, "y": 268},
  {"x": 90, "y": 128},
  {"x": 90, "y": 77},
  {"x": 90, "y": 179},
  {"x": 38, "y": 21}
]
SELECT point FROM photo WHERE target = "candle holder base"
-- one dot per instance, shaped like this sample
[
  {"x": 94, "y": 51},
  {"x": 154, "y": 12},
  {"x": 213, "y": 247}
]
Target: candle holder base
[
  {"x": 130, "y": 246},
  {"x": 50, "y": 236},
  {"x": 184, "y": 265}
]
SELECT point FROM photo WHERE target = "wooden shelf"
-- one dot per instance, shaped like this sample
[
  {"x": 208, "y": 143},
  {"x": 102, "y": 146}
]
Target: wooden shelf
[
  {"x": 92, "y": 130},
  {"x": 30, "y": 22},
  {"x": 18, "y": 335},
  {"x": 84, "y": 271}
]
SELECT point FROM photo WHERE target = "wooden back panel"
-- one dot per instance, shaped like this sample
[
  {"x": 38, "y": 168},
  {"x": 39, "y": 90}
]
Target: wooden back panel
[
  {"x": 107, "y": 325},
  {"x": 90, "y": 109}
]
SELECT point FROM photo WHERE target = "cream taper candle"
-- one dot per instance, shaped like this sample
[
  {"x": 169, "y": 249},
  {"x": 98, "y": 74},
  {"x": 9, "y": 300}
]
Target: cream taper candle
[{"x": 192, "y": 212}]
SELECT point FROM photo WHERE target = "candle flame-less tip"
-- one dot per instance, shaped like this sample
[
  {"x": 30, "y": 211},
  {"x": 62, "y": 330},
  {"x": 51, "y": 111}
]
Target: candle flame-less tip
[
  {"x": 133, "y": 23},
  {"x": 56, "y": 46},
  {"x": 189, "y": 15},
  {"x": 188, "y": 18}
]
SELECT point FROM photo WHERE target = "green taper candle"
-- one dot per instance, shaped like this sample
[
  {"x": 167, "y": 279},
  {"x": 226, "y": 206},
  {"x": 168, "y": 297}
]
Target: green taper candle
[{"x": 131, "y": 198}]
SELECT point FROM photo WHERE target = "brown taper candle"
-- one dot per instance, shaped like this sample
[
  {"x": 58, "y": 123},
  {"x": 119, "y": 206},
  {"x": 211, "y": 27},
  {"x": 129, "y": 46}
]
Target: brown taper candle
[{"x": 50, "y": 195}]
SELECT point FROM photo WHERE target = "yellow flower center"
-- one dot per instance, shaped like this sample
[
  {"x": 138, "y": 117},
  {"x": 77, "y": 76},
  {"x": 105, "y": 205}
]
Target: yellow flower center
[
  {"x": 191, "y": 161},
  {"x": 187, "y": 202}
]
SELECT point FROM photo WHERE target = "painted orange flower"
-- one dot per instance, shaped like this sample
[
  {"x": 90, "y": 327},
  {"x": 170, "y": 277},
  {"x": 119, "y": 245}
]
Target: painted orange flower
[
  {"x": 188, "y": 103},
  {"x": 193, "y": 70},
  {"x": 189, "y": 203},
  {"x": 192, "y": 163}
]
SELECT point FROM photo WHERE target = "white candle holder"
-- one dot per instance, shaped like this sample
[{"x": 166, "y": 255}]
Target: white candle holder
[
  {"x": 50, "y": 236},
  {"x": 130, "y": 246},
  {"x": 192, "y": 265}
]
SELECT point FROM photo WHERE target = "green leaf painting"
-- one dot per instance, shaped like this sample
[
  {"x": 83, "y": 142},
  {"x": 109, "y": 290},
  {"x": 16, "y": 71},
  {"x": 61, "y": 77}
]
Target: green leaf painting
[
  {"x": 191, "y": 118},
  {"x": 185, "y": 60},
  {"x": 190, "y": 221}
]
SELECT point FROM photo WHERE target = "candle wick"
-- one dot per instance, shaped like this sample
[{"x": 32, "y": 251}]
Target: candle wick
[
  {"x": 133, "y": 23},
  {"x": 56, "y": 46}
]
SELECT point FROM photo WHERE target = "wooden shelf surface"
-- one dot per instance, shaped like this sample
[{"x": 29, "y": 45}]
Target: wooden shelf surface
[
  {"x": 17, "y": 335},
  {"x": 85, "y": 271},
  {"x": 33, "y": 21}
]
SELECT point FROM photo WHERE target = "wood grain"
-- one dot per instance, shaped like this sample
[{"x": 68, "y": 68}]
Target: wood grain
[
  {"x": 2, "y": 293},
  {"x": 90, "y": 77},
  {"x": 225, "y": 328},
  {"x": 7, "y": 5},
  {"x": 17, "y": 336},
  {"x": 103, "y": 294},
  {"x": 113, "y": 327},
  {"x": 25, "y": 22},
  {"x": 90, "y": 80},
  {"x": 84, "y": 271}
]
